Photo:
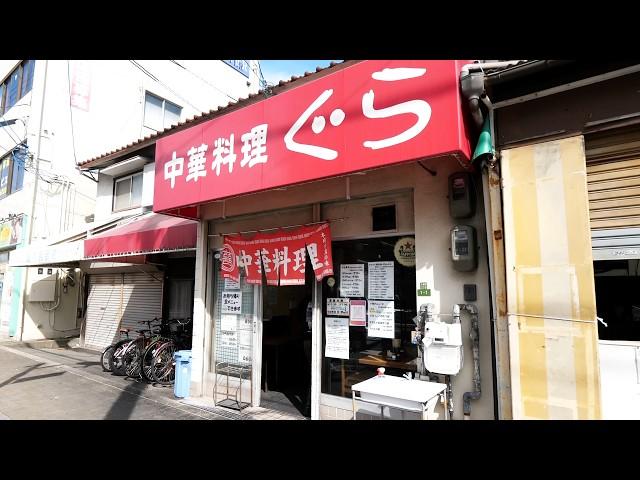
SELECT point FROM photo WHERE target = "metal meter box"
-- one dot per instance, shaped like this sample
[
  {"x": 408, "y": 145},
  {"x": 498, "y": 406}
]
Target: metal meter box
[
  {"x": 42, "y": 286},
  {"x": 443, "y": 347},
  {"x": 462, "y": 197},
  {"x": 464, "y": 248}
]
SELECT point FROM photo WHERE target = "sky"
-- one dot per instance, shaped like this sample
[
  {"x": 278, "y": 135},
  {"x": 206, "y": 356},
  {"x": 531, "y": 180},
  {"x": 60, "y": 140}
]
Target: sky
[{"x": 276, "y": 70}]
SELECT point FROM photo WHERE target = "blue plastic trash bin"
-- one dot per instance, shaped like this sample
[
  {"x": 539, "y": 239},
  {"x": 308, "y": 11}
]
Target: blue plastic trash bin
[{"x": 182, "y": 382}]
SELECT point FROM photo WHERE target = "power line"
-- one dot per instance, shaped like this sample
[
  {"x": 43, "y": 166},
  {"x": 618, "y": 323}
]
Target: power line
[
  {"x": 204, "y": 80},
  {"x": 155, "y": 79}
]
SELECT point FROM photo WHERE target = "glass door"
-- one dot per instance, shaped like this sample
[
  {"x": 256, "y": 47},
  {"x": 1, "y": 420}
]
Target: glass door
[{"x": 237, "y": 340}]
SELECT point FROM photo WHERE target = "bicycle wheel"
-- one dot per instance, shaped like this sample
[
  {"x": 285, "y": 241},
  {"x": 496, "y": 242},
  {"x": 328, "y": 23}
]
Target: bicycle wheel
[
  {"x": 116, "y": 361},
  {"x": 147, "y": 358},
  {"x": 105, "y": 358},
  {"x": 132, "y": 360},
  {"x": 107, "y": 353},
  {"x": 163, "y": 364}
]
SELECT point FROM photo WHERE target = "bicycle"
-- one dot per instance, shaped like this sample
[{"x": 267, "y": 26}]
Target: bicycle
[
  {"x": 123, "y": 361},
  {"x": 107, "y": 353},
  {"x": 162, "y": 363}
]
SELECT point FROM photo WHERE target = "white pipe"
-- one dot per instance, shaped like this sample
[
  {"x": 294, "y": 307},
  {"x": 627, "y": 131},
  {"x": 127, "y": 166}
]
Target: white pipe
[{"x": 481, "y": 66}]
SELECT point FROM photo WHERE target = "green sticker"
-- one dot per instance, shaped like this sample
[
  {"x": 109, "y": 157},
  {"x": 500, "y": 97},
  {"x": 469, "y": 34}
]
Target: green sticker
[{"x": 424, "y": 292}]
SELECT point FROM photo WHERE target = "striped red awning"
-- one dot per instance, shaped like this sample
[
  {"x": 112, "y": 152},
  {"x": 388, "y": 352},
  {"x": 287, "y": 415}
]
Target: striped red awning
[{"x": 150, "y": 233}]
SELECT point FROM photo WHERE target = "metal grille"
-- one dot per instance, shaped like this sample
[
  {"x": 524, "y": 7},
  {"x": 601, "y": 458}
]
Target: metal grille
[
  {"x": 613, "y": 184},
  {"x": 225, "y": 351}
]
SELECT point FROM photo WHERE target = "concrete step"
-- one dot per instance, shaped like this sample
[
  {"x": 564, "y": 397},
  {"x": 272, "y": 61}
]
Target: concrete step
[{"x": 72, "y": 342}]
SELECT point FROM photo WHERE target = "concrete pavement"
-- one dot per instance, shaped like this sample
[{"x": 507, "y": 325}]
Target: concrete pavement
[{"x": 70, "y": 385}]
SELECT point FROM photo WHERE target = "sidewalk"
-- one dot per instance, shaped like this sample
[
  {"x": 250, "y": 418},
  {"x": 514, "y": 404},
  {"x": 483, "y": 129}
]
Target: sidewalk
[{"x": 70, "y": 384}]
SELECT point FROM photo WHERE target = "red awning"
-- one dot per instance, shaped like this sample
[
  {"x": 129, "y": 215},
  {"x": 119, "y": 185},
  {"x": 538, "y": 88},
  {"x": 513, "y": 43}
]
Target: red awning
[{"x": 151, "y": 233}]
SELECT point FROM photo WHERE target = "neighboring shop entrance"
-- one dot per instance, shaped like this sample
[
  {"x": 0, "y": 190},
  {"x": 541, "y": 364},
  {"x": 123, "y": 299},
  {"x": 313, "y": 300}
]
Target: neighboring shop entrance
[{"x": 613, "y": 180}]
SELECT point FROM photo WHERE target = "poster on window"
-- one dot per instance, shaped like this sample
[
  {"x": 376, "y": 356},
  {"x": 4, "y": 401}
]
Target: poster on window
[
  {"x": 281, "y": 256},
  {"x": 231, "y": 302},
  {"x": 231, "y": 284},
  {"x": 358, "y": 313},
  {"x": 381, "y": 319},
  {"x": 338, "y": 307},
  {"x": 244, "y": 354},
  {"x": 352, "y": 280},
  {"x": 228, "y": 340},
  {"x": 380, "y": 281},
  {"x": 228, "y": 323},
  {"x": 337, "y": 337}
]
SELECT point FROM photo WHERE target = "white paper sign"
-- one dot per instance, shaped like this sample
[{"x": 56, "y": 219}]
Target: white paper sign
[
  {"x": 358, "y": 313},
  {"x": 229, "y": 323},
  {"x": 338, "y": 306},
  {"x": 228, "y": 339},
  {"x": 337, "y": 337},
  {"x": 352, "y": 280},
  {"x": 381, "y": 319},
  {"x": 244, "y": 337},
  {"x": 244, "y": 354},
  {"x": 230, "y": 284},
  {"x": 380, "y": 281},
  {"x": 231, "y": 302}
]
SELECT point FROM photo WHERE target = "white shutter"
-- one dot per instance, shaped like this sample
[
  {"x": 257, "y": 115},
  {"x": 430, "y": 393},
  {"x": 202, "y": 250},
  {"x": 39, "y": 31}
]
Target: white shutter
[
  {"x": 103, "y": 310},
  {"x": 142, "y": 299},
  {"x": 613, "y": 183},
  {"x": 120, "y": 300}
]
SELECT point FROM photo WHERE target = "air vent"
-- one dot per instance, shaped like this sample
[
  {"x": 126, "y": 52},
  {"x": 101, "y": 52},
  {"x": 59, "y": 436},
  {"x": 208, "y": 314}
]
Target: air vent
[{"x": 384, "y": 218}]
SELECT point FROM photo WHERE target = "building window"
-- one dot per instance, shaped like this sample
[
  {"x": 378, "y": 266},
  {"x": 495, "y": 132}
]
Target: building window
[
  {"x": 16, "y": 85},
  {"x": 366, "y": 353},
  {"x": 12, "y": 172},
  {"x": 128, "y": 192},
  {"x": 160, "y": 113}
]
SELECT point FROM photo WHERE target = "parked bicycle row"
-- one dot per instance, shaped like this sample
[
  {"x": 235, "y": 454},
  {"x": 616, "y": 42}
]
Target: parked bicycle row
[{"x": 149, "y": 356}]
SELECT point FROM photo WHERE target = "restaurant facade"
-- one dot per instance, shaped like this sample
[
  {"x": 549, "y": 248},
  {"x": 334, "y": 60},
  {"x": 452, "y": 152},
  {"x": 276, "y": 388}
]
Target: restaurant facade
[{"x": 332, "y": 214}]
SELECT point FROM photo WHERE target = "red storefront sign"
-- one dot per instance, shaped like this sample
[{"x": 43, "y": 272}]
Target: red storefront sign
[
  {"x": 368, "y": 115},
  {"x": 282, "y": 256}
]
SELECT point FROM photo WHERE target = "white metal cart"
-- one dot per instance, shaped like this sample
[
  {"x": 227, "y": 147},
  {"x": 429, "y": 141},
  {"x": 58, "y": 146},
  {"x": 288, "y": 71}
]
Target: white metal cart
[{"x": 400, "y": 393}]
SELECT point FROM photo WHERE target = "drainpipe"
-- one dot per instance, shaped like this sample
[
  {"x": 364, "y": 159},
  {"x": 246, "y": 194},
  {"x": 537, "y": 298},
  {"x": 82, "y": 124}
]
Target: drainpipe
[{"x": 474, "y": 334}]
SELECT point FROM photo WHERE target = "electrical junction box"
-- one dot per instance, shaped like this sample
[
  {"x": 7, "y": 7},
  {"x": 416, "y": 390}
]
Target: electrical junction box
[
  {"x": 443, "y": 347},
  {"x": 464, "y": 250},
  {"x": 42, "y": 286},
  {"x": 462, "y": 198}
]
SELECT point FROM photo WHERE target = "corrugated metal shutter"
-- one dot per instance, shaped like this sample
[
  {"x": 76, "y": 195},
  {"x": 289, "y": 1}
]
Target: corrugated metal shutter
[
  {"x": 120, "y": 300},
  {"x": 103, "y": 310},
  {"x": 613, "y": 183},
  {"x": 142, "y": 298}
]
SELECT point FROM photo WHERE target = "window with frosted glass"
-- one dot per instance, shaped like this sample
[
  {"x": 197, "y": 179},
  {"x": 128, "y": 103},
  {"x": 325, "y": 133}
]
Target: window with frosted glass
[
  {"x": 128, "y": 192},
  {"x": 160, "y": 113}
]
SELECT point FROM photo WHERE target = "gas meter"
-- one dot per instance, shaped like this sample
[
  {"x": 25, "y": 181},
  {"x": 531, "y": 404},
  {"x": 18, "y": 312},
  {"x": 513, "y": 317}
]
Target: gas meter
[{"x": 443, "y": 347}]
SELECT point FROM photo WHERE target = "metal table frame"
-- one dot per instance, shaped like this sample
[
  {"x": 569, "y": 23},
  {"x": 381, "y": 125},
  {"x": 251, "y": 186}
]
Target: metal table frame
[{"x": 422, "y": 409}]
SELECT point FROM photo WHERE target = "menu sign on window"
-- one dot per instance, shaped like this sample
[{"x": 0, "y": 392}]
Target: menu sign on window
[
  {"x": 352, "y": 280},
  {"x": 338, "y": 307},
  {"x": 380, "y": 284},
  {"x": 337, "y": 337},
  {"x": 231, "y": 302},
  {"x": 381, "y": 319}
]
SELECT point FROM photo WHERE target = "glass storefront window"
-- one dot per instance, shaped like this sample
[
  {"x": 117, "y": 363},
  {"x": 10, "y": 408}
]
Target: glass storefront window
[{"x": 367, "y": 353}]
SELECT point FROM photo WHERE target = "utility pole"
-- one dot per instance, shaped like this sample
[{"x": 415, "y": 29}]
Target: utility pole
[{"x": 36, "y": 157}]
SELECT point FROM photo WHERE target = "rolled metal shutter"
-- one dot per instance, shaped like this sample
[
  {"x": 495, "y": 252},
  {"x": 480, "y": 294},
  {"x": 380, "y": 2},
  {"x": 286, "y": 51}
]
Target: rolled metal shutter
[
  {"x": 103, "y": 310},
  {"x": 142, "y": 298},
  {"x": 613, "y": 183}
]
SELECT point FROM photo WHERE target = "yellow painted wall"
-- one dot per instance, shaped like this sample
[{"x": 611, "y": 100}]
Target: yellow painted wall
[{"x": 550, "y": 284}]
